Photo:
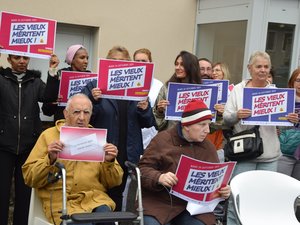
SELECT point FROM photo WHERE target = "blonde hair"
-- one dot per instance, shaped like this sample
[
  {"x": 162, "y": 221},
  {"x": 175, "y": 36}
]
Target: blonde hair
[
  {"x": 224, "y": 69},
  {"x": 144, "y": 51},
  {"x": 121, "y": 49}
]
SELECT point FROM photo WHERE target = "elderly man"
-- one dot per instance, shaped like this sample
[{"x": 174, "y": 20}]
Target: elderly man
[
  {"x": 87, "y": 182},
  {"x": 159, "y": 162}
]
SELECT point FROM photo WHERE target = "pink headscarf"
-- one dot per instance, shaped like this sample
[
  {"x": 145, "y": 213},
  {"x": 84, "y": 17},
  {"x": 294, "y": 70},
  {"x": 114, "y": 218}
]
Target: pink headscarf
[{"x": 71, "y": 53}]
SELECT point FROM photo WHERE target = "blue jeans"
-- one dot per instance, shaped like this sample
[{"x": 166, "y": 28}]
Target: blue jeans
[
  {"x": 183, "y": 218},
  {"x": 102, "y": 208},
  {"x": 240, "y": 168}
]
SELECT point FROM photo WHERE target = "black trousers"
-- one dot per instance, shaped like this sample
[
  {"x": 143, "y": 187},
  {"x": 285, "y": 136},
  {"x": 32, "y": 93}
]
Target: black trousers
[{"x": 10, "y": 166}]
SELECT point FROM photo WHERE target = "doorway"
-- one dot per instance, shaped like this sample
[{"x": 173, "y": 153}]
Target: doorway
[{"x": 279, "y": 46}]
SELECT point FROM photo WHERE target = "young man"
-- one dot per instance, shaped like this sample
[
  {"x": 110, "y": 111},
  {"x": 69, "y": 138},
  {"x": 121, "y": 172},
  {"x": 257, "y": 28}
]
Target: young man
[{"x": 20, "y": 91}]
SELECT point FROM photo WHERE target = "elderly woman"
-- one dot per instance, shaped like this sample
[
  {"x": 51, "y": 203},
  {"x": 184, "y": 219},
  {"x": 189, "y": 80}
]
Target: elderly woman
[
  {"x": 259, "y": 68},
  {"x": 77, "y": 58}
]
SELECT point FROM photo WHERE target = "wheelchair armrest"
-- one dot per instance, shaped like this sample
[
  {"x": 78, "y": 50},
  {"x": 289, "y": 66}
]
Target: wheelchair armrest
[{"x": 97, "y": 217}]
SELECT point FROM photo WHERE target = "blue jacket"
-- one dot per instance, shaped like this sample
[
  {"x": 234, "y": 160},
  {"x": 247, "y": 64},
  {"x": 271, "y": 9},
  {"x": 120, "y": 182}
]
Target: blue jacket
[{"x": 106, "y": 115}]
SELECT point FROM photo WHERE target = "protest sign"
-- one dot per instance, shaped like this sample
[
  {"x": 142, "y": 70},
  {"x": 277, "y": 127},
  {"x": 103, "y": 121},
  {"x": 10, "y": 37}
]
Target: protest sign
[
  {"x": 223, "y": 87},
  {"x": 128, "y": 80},
  {"x": 73, "y": 82},
  {"x": 180, "y": 94},
  {"x": 269, "y": 106},
  {"x": 199, "y": 181},
  {"x": 82, "y": 144},
  {"x": 27, "y": 35}
]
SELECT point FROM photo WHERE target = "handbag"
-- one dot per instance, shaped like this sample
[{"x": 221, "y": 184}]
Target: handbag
[{"x": 244, "y": 145}]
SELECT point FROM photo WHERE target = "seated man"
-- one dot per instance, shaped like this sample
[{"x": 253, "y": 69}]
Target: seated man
[
  {"x": 159, "y": 162},
  {"x": 87, "y": 182}
]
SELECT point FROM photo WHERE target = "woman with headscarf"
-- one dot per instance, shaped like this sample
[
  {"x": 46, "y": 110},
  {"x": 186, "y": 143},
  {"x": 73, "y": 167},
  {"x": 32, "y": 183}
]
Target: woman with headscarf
[{"x": 77, "y": 57}]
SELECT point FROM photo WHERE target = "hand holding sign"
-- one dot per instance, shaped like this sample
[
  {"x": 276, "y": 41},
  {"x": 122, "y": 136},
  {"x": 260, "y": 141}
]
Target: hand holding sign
[
  {"x": 243, "y": 113},
  {"x": 54, "y": 61},
  {"x": 162, "y": 105},
  {"x": 168, "y": 179},
  {"x": 143, "y": 104},
  {"x": 293, "y": 117},
  {"x": 53, "y": 149},
  {"x": 111, "y": 152},
  {"x": 225, "y": 191},
  {"x": 220, "y": 108},
  {"x": 96, "y": 92}
]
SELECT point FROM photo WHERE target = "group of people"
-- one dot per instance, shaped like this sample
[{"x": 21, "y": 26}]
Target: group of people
[{"x": 29, "y": 155}]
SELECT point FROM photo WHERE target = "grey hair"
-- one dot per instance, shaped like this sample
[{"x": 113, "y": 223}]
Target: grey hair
[
  {"x": 256, "y": 54},
  {"x": 80, "y": 95}
]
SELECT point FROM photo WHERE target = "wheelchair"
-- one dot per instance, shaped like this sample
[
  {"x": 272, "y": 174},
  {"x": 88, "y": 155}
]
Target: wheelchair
[{"x": 95, "y": 217}]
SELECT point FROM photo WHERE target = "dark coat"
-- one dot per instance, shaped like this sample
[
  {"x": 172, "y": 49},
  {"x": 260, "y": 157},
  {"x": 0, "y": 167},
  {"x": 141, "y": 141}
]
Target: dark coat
[
  {"x": 20, "y": 123},
  {"x": 162, "y": 155},
  {"x": 50, "y": 106},
  {"x": 106, "y": 115}
]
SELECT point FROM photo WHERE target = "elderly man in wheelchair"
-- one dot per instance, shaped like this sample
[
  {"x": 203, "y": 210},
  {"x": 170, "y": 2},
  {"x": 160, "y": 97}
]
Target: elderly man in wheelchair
[{"x": 86, "y": 182}]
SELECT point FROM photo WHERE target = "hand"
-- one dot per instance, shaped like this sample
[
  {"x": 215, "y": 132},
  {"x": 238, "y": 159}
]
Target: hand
[
  {"x": 59, "y": 98},
  {"x": 54, "y": 61},
  {"x": 96, "y": 92},
  {"x": 111, "y": 152},
  {"x": 161, "y": 106},
  {"x": 53, "y": 149},
  {"x": 220, "y": 108},
  {"x": 143, "y": 104},
  {"x": 293, "y": 117},
  {"x": 168, "y": 179},
  {"x": 243, "y": 113},
  {"x": 225, "y": 192}
]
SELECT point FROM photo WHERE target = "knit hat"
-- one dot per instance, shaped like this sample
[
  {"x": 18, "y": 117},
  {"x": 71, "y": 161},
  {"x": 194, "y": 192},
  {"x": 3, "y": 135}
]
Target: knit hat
[
  {"x": 71, "y": 53},
  {"x": 195, "y": 111}
]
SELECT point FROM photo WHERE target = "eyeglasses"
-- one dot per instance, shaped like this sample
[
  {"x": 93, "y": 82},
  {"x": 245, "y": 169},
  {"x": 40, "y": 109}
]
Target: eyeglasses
[{"x": 297, "y": 80}]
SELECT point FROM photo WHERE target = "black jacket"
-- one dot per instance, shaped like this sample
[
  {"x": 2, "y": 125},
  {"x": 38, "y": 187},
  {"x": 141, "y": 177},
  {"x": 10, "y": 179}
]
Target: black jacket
[
  {"x": 20, "y": 123},
  {"x": 50, "y": 107}
]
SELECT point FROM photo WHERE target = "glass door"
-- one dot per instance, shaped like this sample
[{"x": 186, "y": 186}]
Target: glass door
[{"x": 279, "y": 46}]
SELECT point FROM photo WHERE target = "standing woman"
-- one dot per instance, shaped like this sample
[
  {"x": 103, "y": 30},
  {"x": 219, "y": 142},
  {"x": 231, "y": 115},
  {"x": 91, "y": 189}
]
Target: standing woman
[
  {"x": 259, "y": 68},
  {"x": 220, "y": 71},
  {"x": 20, "y": 91},
  {"x": 187, "y": 70},
  {"x": 289, "y": 137},
  {"x": 123, "y": 120},
  {"x": 77, "y": 57}
]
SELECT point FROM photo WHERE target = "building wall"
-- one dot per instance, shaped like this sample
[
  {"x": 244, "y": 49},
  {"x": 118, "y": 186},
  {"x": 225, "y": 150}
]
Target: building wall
[{"x": 165, "y": 27}]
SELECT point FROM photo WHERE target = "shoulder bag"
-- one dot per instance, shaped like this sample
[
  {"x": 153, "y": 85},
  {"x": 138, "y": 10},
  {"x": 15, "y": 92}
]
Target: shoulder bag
[{"x": 245, "y": 145}]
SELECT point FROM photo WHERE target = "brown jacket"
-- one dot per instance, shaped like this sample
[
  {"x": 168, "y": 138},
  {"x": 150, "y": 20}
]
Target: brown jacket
[{"x": 162, "y": 155}]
